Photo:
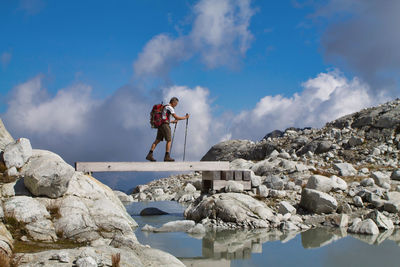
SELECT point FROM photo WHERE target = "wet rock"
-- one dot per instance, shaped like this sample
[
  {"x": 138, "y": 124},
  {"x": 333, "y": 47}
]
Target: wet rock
[
  {"x": 345, "y": 169},
  {"x": 123, "y": 197},
  {"x": 367, "y": 227},
  {"x": 152, "y": 211},
  {"x": 289, "y": 226},
  {"x": 174, "y": 226},
  {"x": 231, "y": 207},
  {"x": 16, "y": 154},
  {"x": 46, "y": 174},
  {"x": 199, "y": 229},
  {"x": 380, "y": 220},
  {"x": 341, "y": 220},
  {"x": 318, "y": 202}
]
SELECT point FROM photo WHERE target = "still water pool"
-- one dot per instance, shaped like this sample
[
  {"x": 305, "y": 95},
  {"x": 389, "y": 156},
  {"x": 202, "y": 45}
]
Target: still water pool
[{"x": 315, "y": 247}]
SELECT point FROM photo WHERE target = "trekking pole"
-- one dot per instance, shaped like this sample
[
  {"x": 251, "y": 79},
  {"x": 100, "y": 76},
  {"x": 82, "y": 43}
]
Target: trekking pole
[
  {"x": 184, "y": 147},
  {"x": 173, "y": 136}
]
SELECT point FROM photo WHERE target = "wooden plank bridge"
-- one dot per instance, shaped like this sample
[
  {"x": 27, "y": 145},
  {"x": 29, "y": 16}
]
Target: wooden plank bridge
[
  {"x": 216, "y": 174},
  {"x": 151, "y": 166}
]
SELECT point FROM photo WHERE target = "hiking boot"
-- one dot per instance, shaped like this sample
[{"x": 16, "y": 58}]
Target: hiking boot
[
  {"x": 168, "y": 158},
  {"x": 150, "y": 157}
]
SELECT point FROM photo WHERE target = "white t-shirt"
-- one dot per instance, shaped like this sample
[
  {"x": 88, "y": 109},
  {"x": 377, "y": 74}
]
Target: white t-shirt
[{"x": 167, "y": 111}]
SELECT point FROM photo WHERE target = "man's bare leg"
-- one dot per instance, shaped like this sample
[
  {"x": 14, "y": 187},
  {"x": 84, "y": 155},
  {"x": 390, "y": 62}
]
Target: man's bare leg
[
  {"x": 153, "y": 146},
  {"x": 167, "y": 150}
]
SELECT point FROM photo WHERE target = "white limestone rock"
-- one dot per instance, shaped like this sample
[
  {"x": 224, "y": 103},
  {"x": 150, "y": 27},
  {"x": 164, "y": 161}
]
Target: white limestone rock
[
  {"x": 285, "y": 207},
  {"x": 367, "y": 227},
  {"x": 317, "y": 201},
  {"x": 46, "y": 174},
  {"x": 380, "y": 178},
  {"x": 320, "y": 183},
  {"x": 232, "y": 207},
  {"x": 381, "y": 220},
  {"x": 17, "y": 153},
  {"x": 345, "y": 169}
]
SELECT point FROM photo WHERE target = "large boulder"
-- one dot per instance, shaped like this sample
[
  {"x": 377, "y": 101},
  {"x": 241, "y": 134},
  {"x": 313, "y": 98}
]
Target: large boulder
[
  {"x": 152, "y": 212},
  {"x": 380, "y": 220},
  {"x": 17, "y": 153},
  {"x": 28, "y": 213},
  {"x": 317, "y": 201},
  {"x": 367, "y": 227},
  {"x": 228, "y": 150},
  {"x": 174, "y": 226},
  {"x": 320, "y": 183},
  {"x": 5, "y": 136},
  {"x": 47, "y": 174},
  {"x": 89, "y": 210},
  {"x": 236, "y": 149},
  {"x": 232, "y": 207}
]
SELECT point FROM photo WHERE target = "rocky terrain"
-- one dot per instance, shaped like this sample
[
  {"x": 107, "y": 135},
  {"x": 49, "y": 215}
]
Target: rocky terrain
[
  {"x": 51, "y": 215},
  {"x": 345, "y": 175}
]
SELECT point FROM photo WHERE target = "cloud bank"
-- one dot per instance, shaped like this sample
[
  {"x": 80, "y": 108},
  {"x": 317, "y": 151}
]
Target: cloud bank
[
  {"x": 363, "y": 37},
  {"x": 323, "y": 98},
  {"x": 219, "y": 35}
]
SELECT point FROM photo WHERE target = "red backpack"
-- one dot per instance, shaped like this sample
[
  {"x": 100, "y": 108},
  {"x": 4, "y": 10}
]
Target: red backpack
[{"x": 156, "y": 119}]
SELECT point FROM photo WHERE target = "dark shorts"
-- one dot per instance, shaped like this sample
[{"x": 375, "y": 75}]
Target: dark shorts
[{"x": 164, "y": 132}]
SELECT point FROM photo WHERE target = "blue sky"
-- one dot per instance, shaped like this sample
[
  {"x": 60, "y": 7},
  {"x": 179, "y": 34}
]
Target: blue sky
[
  {"x": 96, "y": 42},
  {"x": 79, "y": 77},
  {"x": 257, "y": 65}
]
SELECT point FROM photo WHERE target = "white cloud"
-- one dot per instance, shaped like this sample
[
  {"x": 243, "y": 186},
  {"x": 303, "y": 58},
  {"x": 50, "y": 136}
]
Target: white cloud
[
  {"x": 220, "y": 35},
  {"x": 31, "y": 109},
  {"x": 159, "y": 55},
  {"x": 323, "y": 99},
  {"x": 5, "y": 59},
  {"x": 202, "y": 129},
  {"x": 77, "y": 126},
  {"x": 220, "y": 31}
]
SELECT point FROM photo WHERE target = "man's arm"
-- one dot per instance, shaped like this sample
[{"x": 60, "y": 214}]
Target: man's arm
[{"x": 178, "y": 118}]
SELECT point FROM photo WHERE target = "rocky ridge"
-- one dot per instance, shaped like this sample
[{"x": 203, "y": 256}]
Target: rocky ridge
[
  {"x": 45, "y": 202},
  {"x": 344, "y": 175}
]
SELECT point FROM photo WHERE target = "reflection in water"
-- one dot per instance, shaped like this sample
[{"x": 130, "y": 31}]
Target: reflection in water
[
  {"x": 315, "y": 247},
  {"x": 219, "y": 248}
]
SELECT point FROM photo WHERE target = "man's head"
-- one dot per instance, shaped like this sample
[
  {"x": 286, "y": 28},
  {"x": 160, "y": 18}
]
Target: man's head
[{"x": 174, "y": 101}]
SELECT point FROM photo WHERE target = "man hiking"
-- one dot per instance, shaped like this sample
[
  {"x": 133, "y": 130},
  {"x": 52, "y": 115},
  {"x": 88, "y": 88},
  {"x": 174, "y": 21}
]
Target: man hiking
[{"x": 164, "y": 131}]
